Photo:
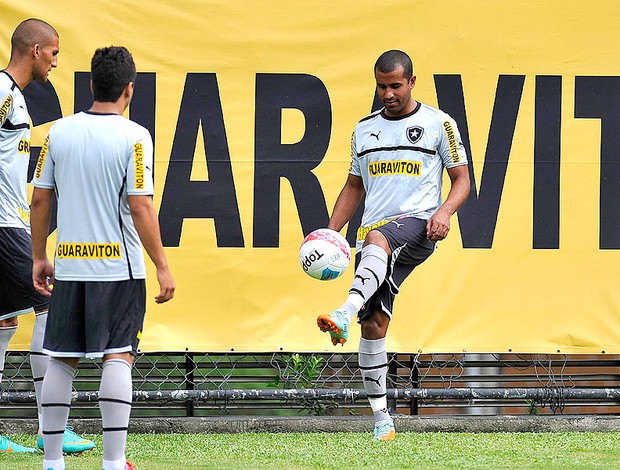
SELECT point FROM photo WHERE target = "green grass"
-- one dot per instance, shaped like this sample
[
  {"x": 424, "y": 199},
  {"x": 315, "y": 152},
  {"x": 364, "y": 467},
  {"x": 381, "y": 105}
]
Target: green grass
[{"x": 351, "y": 451}]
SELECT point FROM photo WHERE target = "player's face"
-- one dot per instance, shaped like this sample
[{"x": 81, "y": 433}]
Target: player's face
[
  {"x": 47, "y": 59},
  {"x": 394, "y": 91}
]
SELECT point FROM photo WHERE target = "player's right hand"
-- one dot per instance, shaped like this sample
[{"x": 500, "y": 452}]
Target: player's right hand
[
  {"x": 43, "y": 276},
  {"x": 166, "y": 286}
]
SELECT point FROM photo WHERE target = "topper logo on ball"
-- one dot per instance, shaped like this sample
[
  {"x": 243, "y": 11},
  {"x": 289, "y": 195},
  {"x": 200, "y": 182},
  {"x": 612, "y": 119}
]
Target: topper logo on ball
[{"x": 310, "y": 258}]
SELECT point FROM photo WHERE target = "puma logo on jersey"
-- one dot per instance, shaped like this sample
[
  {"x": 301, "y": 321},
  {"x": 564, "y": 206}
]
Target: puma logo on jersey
[
  {"x": 370, "y": 379},
  {"x": 398, "y": 225},
  {"x": 375, "y": 135}
]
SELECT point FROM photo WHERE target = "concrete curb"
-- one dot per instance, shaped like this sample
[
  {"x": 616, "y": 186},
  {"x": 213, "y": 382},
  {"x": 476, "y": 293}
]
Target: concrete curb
[{"x": 237, "y": 424}]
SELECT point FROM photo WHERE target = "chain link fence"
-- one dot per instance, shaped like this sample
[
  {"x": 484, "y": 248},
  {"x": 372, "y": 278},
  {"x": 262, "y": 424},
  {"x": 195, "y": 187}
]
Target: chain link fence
[{"x": 279, "y": 384}]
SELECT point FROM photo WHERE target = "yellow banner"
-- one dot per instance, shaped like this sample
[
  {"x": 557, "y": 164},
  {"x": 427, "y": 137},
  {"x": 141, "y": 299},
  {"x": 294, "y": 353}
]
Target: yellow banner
[{"x": 252, "y": 105}]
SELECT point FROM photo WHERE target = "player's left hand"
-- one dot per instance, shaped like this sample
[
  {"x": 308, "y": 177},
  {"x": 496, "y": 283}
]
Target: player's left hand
[{"x": 438, "y": 226}]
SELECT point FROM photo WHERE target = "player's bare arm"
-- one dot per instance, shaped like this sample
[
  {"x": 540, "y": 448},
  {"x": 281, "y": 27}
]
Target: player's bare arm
[
  {"x": 349, "y": 198},
  {"x": 145, "y": 219},
  {"x": 42, "y": 268},
  {"x": 438, "y": 226}
]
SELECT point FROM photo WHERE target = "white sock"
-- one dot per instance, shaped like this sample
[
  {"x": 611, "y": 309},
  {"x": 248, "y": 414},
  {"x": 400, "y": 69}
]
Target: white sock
[
  {"x": 114, "y": 464},
  {"x": 369, "y": 275},
  {"x": 372, "y": 359},
  {"x": 352, "y": 306},
  {"x": 38, "y": 360},
  {"x": 6, "y": 333},
  {"x": 58, "y": 464},
  {"x": 115, "y": 396},
  {"x": 379, "y": 408}
]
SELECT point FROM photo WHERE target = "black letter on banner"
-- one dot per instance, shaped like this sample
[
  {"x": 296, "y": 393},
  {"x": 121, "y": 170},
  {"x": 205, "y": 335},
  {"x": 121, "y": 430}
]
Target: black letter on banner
[
  {"x": 599, "y": 97},
  {"x": 43, "y": 106},
  {"x": 216, "y": 198},
  {"x": 82, "y": 97},
  {"x": 295, "y": 162},
  {"x": 42, "y": 101},
  {"x": 478, "y": 216},
  {"x": 547, "y": 133},
  {"x": 142, "y": 107}
]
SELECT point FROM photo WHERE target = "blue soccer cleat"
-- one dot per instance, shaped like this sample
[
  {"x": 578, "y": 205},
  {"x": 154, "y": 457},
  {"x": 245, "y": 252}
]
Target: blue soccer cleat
[
  {"x": 384, "y": 430},
  {"x": 7, "y": 446},
  {"x": 337, "y": 324},
  {"x": 71, "y": 442}
]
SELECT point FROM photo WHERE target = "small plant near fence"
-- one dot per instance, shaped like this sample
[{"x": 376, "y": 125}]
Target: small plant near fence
[{"x": 302, "y": 371}]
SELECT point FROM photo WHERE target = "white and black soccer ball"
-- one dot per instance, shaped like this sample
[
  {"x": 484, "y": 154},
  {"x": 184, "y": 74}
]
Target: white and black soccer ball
[{"x": 325, "y": 254}]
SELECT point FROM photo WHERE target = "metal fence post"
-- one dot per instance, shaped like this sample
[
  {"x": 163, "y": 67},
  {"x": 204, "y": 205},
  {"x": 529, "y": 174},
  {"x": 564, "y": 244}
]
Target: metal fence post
[
  {"x": 391, "y": 379},
  {"x": 415, "y": 383},
  {"x": 188, "y": 383}
]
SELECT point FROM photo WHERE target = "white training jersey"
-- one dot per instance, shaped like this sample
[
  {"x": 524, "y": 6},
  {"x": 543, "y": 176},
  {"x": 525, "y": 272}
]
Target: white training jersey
[
  {"x": 94, "y": 162},
  {"x": 14, "y": 155},
  {"x": 401, "y": 162}
]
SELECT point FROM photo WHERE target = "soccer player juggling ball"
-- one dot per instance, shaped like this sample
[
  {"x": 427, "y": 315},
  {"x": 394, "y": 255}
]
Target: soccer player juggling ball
[
  {"x": 397, "y": 159},
  {"x": 100, "y": 165}
]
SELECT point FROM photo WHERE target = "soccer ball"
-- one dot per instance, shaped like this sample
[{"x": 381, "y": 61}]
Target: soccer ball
[{"x": 324, "y": 254}]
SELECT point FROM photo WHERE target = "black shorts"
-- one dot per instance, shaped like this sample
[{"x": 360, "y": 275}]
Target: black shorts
[
  {"x": 17, "y": 292},
  {"x": 91, "y": 319},
  {"x": 407, "y": 240}
]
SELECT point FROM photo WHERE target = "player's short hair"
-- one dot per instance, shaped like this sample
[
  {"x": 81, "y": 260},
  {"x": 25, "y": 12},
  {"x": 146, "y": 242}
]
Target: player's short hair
[
  {"x": 30, "y": 32},
  {"x": 112, "y": 69},
  {"x": 390, "y": 60}
]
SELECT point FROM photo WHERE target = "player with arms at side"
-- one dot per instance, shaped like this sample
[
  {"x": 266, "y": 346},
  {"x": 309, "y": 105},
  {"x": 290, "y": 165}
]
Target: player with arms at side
[
  {"x": 34, "y": 51},
  {"x": 397, "y": 159},
  {"x": 100, "y": 165}
]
